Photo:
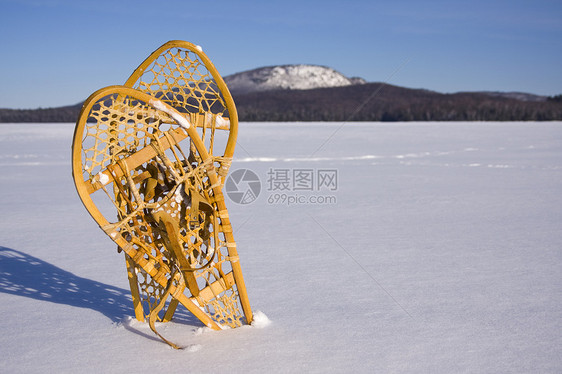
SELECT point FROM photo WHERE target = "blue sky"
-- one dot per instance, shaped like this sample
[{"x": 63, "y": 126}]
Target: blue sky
[{"x": 57, "y": 52}]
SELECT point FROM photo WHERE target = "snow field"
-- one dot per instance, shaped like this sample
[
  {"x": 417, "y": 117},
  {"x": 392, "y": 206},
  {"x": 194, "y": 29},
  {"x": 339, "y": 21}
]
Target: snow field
[{"x": 442, "y": 254}]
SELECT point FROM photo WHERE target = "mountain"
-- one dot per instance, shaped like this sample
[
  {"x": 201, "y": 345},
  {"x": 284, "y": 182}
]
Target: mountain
[
  {"x": 319, "y": 93},
  {"x": 288, "y": 77}
]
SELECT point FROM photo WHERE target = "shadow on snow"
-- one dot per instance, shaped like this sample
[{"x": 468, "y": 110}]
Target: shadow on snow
[{"x": 25, "y": 275}]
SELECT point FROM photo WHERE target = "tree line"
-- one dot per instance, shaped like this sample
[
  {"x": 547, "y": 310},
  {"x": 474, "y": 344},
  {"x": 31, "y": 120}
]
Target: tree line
[
  {"x": 366, "y": 102},
  {"x": 60, "y": 114},
  {"x": 383, "y": 102}
]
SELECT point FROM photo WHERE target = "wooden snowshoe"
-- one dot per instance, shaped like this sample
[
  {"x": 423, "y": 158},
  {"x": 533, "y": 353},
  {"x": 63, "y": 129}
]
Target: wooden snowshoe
[{"x": 144, "y": 167}]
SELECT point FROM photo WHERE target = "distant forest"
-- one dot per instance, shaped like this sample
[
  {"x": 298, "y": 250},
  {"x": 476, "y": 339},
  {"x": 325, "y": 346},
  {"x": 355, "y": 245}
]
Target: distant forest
[{"x": 365, "y": 102}]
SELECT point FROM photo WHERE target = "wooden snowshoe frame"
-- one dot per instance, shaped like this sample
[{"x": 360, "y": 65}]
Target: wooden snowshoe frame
[
  {"x": 181, "y": 75},
  {"x": 144, "y": 167}
]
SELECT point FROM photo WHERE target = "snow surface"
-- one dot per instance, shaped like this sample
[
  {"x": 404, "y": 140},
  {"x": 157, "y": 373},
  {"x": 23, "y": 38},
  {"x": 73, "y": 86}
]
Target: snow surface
[{"x": 443, "y": 254}]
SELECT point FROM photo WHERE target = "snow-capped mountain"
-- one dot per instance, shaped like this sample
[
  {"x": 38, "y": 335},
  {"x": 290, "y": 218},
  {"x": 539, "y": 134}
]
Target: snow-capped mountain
[{"x": 291, "y": 77}]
